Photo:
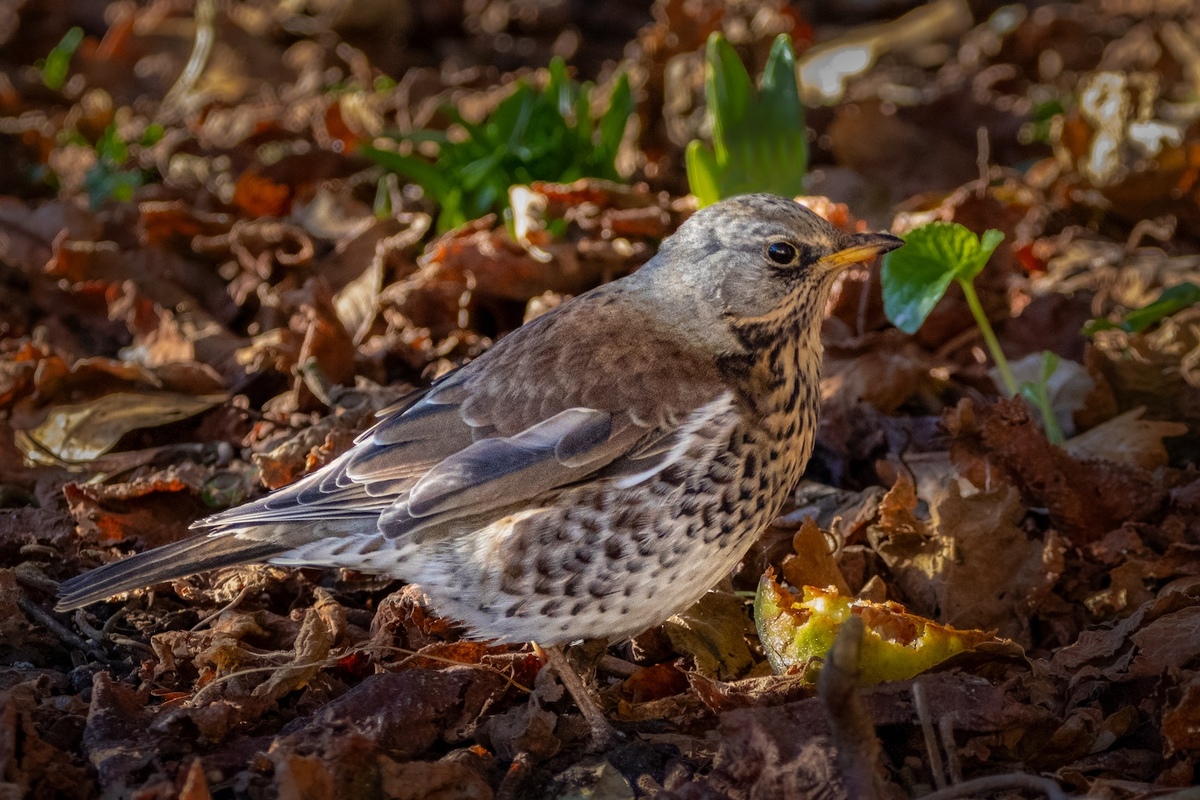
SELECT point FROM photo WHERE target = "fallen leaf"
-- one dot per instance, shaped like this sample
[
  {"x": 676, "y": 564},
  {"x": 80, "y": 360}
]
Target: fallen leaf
[
  {"x": 813, "y": 563},
  {"x": 431, "y": 780},
  {"x": 1127, "y": 439},
  {"x": 1085, "y": 499},
  {"x": 713, "y": 633},
  {"x": 81, "y": 432},
  {"x": 312, "y": 647},
  {"x": 1181, "y": 722},
  {"x": 999, "y": 575},
  {"x": 195, "y": 786}
]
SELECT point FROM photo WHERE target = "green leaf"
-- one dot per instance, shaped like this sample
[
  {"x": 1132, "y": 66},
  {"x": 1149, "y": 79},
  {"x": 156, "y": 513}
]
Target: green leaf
[
  {"x": 58, "y": 62},
  {"x": 152, "y": 135},
  {"x": 111, "y": 148},
  {"x": 916, "y": 276},
  {"x": 616, "y": 118},
  {"x": 531, "y": 135},
  {"x": 760, "y": 142},
  {"x": 702, "y": 172},
  {"x": 728, "y": 90},
  {"x": 1172, "y": 300}
]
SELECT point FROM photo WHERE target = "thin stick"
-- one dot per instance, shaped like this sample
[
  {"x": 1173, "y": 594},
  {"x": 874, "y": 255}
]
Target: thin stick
[
  {"x": 604, "y": 736},
  {"x": 69, "y": 637},
  {"x": 946, "y": 727},
  {"x": 983, "y": 156},
  {"x": 850, "y": 727},
  {"x": 993, "y": 783},
  {"x": 234, "y": 603},
  {"x": 931, "y": 744},
  {"x": 206, "y": 12},
  {"x": 616, "y": 666}
]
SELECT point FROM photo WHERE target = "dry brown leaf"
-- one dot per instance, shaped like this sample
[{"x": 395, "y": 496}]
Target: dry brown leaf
[
  {"x": 713, "y": 633},
  {"x": 81, "y": 432},
  {"x": 195, "y": 786},
  {"x": 1085, "y": 499},
  {"x": 884, "y": 369},
  {"x": 813, "y": 563},
  {"x": 431, "y": 780},
  {"x": 304, "y": 778},
  {"x": 313, "y": 643},
  {"x": 999, "y": 575},
  {"x": 1181, "y": 723},
  {"x": 1158, "y": 369},
  {"x": 915, "y": 557},
  {"x": 1127, "y": 439}
]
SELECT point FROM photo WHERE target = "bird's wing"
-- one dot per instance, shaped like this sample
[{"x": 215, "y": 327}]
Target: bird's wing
[{"x": 559, "y": 400}]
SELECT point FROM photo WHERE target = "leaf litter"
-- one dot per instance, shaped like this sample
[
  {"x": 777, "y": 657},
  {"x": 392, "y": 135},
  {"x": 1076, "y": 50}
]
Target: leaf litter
[{"x": 207, "y": 291}]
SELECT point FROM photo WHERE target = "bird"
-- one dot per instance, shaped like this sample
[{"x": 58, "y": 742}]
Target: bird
[{"x": 595, "y": 471}]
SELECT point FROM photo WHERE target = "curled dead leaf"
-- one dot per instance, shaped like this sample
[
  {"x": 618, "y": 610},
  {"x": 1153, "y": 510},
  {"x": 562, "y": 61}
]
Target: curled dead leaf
[{"x": 81, "y": 432}]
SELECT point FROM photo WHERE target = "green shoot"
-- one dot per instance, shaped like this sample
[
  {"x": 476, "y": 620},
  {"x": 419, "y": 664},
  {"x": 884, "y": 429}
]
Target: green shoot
[
  {"x": 916, "y": 277},
  {"x": 1173, "y": 299},
  {"x": 107, "y": 178},
  {"x": 58, "y": 62},
  {"x": 759, "y": 139},
  {"x": 1037, "y": 394},
  {"x": 548, "y": 135}
]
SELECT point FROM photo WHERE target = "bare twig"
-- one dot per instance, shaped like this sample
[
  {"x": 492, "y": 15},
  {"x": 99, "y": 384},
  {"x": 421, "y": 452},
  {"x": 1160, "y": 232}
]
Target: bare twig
[
  {"x": 234, "y": 603},
  {"x": 81, "y": 622},
  {"x": 616, "y": 666},
  {"x": 946, "y": 728},
  {"x": 112, "y": 621},
  {"x": 995, "y": 783},
  {"x": 1161, "y": 228},
  {"x": 65, "y": 634},
  {"x": 851, "y": 730},
  {"x": 931, "y": 743},
  {"x": 982, "y": 161},
  {"x": 604, "y": 736},
  {"x": 206, "y": 13}
]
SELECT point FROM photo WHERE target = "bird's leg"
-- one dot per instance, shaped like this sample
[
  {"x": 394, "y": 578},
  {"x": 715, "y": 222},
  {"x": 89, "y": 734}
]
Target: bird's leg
[{"x": 604, "y": 735}]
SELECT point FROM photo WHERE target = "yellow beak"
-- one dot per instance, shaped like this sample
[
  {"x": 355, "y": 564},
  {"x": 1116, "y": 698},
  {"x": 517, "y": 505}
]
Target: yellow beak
[{"x": 864, "y": 247}]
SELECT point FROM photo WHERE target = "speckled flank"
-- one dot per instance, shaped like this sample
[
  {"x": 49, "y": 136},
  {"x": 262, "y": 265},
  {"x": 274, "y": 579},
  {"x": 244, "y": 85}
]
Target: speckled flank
[{"x": 601, "y": 560}]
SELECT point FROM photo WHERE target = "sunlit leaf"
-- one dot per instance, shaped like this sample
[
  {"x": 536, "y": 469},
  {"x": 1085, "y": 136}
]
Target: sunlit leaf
[
  {"x": 547, "y": 135},
  {"x": 916, "y": 276},
  {"x": 83, "y": 431},
  {"x": 759, "y": 140}
]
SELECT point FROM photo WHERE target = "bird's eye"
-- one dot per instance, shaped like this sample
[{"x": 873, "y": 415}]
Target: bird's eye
[{"x": 781, "y": 253}]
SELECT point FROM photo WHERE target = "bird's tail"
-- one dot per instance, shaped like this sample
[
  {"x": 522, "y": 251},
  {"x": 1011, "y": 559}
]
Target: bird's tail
[{"x": 178, "y": 560}]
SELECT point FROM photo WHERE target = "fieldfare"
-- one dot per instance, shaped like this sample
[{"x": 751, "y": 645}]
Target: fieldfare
[{"x": 594, "y": 472}]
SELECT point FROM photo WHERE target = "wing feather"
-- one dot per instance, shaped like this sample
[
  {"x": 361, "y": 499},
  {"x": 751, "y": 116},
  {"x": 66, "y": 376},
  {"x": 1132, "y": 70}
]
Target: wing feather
[{"x": 539, "y": 411}]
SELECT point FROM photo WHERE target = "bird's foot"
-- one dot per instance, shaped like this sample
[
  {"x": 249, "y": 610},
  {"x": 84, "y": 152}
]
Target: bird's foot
[{"x": 603, "y": 736}]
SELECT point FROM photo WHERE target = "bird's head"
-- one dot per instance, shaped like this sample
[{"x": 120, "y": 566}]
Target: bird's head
[{"x": 759, "y": 258}]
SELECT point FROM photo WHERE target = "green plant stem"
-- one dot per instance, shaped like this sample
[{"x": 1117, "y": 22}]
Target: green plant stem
[
  {"x": 989, "y": 336},
  {"x": 1038, "y": 396}
]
